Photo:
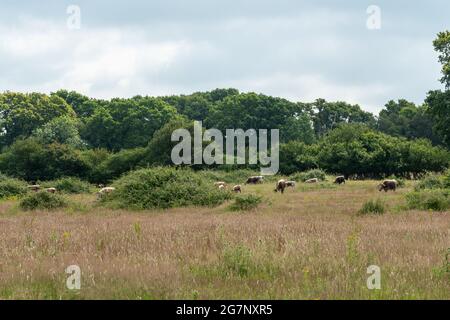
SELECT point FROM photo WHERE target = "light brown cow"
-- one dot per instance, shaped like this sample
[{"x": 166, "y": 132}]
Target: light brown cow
[
  {"x": 313, "y": 180},
  {"x": 51, "y": 190},
  {"x": 34, "y": 187},
  {"x": 104, "y": 191}
]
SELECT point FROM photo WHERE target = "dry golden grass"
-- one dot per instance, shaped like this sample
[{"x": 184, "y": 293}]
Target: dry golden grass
[{"x": 308, "y": 243}]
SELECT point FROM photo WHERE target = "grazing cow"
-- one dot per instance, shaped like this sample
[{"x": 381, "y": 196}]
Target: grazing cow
[
  {"x": 290, "y": 184},
  {"x": 104, "y": 191},
  {"x": 220, "y": 184},
  {"x": 280, "y": 186},
  {"x": 388, "y": 185},
  {"x": 101, "y": 185},
  {"x": 221, "y": 187},
  {"x": 34, "y": 187},
  {"x": 255, "y": 180},
  {"x": 339, "y": 180},
  {"x": 313, "y": 180},
  {"x": 237, "y": 188},
  {"x": 51, "y": 190}
]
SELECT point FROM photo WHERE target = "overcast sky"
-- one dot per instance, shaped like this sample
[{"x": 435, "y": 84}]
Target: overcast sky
[{"x": 299, "y": 50}]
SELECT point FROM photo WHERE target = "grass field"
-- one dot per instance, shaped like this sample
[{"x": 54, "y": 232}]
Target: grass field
[{"x": 309, "y": 243}]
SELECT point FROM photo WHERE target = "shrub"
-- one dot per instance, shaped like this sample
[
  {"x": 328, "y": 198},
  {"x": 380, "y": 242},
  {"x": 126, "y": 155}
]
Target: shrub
[
  {"x": 447, "y": 179},
  {"x": 164, "y": 187},
  {"x": 43, "y": 200},
  {"x": 12, "y": 187},
  {"x": 431, "y": 181},
  {"x": 373, "y": 206},
  {"x": 70, "y": 185},
  {"x": 310, "y": 174},
  {"x": 436, "y": 200},
  {"x": 237, "y": 260},
  {"x": 245, "y": 202}
]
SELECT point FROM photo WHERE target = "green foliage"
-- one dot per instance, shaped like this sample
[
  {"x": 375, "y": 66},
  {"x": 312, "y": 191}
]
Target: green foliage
[
  {"x": 435, "y": 199},
  {"x": 237, "y": 260},
  {"x": 117, "y": 164},
  {"x": 328, "y": 115},
  {"x": 69, "y": 185},
  {"x": 10, "y": 187},
  {"x": 297, "y": 156},
  {"x": 258, "y": 111},
  {"x": 442, "y": 46},
  {"x": 355, "y": 149},
  {"x": 373, "y": 207},
  {"x": 446, "y": 179},
  {"x": 22, "y": 113},
  {"x": 310, "y": 174},
  {"x": 431, "y": 181},
  {"x": 164, "y": 188},
  {"x": 43, "y": 200},
  {"x": 404, "y": 119},
  {"x": 63, "y": 130},
  {"x": 30, "y": 160},
  {"x": 245, "y": 202},
  {"x": 126, "y": 123},
  {"x": 438, "y": 107}
]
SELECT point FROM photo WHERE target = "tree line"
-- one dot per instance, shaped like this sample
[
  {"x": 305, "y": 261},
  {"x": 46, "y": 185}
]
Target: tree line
[{"x": 67, "y": 133}]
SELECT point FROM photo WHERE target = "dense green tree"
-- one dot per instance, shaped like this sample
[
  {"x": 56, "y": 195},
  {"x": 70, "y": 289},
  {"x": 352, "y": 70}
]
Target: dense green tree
[
  {"x": 21, "y": 114},
  {"x": 439, "y": 109},
  {"x": 442, "y": 46},
  {"x": 257, "y": 111},
  {"x": 30, "y": 160},
  {"x": 404, "y": 118},
  {"x": 63, "y": 130},
  {"x": 328, "y": 115},
  {"x": 297, "y": 156},
  {"x": 126, "y": 123}
]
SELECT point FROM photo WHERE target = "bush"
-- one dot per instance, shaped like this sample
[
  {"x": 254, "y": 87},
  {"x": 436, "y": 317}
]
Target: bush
[
  {"x": 436, "y": 200},
  {"x": 310, "y": 174},
  {"x": 43, "y": 200},
  {"x": 70, "y": 185},
  {"x": 245, "y": 202},
  {"x": 12, "y": 187},
  {"x": 373, "y": 206},
  {"x": 447, "y": 179},
  {"x": 431, "y": 181},
  {"x": 164, "y": 187}
]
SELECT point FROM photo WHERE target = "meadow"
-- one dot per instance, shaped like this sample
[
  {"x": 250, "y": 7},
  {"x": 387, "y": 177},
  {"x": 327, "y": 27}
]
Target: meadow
[{"x": 309, "y": 243}]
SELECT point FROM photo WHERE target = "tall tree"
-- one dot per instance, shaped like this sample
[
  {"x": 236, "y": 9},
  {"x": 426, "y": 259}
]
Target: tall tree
[
  {"x": 21, "y": 114},
  {"x": 442, "y": 46}
]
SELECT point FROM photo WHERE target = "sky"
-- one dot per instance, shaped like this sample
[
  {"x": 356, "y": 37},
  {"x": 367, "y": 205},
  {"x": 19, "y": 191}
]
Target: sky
[{"x": 299, "y": 50}]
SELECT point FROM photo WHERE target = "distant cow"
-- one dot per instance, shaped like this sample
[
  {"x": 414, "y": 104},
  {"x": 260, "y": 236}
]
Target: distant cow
[
  {"x": 388, "y": 185},
  {"x": 255, "y": 180},
  {"x": 34, "y": 187},
  {"x": 237, "y": 188},
  {"x": 339, "y": 180},
  {"x": 105, "y": 190},
  {"x": 51, "y": 190},
  {"x": 290, "y": 184},
  {"x": 280, "y": 186},
  {"x": 313, "y": 180},
  {"x": 220, "y": 184}
]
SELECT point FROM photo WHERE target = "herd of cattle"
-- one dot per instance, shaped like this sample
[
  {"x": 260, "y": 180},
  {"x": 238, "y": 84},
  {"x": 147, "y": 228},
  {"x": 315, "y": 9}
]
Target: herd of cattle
[{"x": 280, "y": 186}]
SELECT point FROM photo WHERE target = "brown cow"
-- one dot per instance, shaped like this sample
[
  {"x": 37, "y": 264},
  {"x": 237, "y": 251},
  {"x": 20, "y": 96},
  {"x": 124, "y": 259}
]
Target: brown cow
[
  {"x": 51, "y": 190},
  {"x": 280, "y": 186},
  {"x": 388, "y": 185},
  {"x": 237, "y": 188},
  {"x": 255, "y": 180},
  {"x": 313, "y": 180},
  {"x": 34, "y": 187}
]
